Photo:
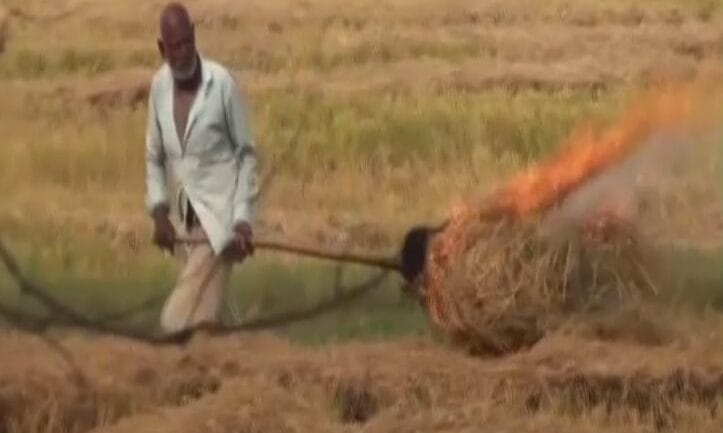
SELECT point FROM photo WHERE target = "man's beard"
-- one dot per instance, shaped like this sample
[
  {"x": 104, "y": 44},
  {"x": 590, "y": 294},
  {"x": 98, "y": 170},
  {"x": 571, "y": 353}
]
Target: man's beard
[{"x": 185, "y": 75}]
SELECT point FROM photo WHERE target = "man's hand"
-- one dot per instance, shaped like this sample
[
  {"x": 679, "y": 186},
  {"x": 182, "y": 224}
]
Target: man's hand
[
  {"x": 164, "y": 235},
  {"x": 242, "y": 245}
]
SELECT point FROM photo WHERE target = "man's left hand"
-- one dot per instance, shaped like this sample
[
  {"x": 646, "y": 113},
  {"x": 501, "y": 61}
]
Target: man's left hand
[{"x": 242, "y": 245}]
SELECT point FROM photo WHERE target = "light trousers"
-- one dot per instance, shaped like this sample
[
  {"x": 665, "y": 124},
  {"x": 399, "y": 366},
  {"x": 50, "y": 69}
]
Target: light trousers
[{"x": 198, "y": 296}]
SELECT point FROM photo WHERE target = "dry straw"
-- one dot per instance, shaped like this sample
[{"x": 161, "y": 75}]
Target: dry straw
[{"x": 513, "y": 279}]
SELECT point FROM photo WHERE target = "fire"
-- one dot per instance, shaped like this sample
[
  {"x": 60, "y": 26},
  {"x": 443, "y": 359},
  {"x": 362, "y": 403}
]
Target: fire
[
  {"x": 545, "y": 185},
  {"x": 587, "y": 155}
]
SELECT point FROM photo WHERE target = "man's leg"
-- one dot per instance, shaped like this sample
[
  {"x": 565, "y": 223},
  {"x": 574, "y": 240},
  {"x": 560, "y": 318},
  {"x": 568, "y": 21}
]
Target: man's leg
[{"x": 199, "y": 293}]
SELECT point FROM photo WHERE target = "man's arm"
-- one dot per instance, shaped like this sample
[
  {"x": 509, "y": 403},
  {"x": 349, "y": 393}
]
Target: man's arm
[
  {"x": 244, "y": 148},
  {"x": 156, "y": 190}
]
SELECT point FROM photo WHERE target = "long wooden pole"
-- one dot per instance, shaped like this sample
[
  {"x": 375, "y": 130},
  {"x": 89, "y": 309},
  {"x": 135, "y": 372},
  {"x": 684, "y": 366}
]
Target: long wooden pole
[{"x": 387, "y": 263}]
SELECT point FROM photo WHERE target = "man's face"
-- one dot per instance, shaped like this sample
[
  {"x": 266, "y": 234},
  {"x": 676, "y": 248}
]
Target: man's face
[{"x": 178, "y": 48}]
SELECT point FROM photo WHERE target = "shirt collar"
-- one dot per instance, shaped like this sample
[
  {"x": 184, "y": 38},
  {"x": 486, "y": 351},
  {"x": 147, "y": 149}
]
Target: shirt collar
[{"x": 206, "y": 72}]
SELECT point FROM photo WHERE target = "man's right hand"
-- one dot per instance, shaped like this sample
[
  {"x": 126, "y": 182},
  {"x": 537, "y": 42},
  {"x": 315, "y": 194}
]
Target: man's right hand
[{"x": 164, "y": 235}]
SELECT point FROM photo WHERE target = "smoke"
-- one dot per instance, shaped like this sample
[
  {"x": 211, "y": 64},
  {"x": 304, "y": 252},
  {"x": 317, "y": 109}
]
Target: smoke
[
  {"x": 672, "y": 175},
  {"x": 669, "y": 165}
]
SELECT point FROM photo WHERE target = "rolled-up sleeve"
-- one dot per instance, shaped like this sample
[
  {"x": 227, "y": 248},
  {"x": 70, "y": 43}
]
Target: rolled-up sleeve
[
  {"x": 245, "y": 150},
  {"x": 156, "y": 189}
]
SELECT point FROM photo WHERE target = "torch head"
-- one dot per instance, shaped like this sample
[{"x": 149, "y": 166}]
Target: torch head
[{"x": 414, "y": 251}]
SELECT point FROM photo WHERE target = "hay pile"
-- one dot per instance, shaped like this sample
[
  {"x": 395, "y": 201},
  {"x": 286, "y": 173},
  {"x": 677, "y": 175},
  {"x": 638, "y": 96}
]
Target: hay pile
[{"x": 507, "y": 283}]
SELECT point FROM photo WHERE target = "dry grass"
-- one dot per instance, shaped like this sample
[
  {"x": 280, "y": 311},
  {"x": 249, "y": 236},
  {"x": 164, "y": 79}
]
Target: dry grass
[
  {"x": 499, "y": 83},
  {"x": 514, "y": 281},
  {"x": 3, "y": 28},
  {"x": 404, "y": 107},
  {"x": 260, "y": 383}
]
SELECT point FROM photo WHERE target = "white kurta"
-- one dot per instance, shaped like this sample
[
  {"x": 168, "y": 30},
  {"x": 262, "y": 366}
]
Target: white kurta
[{"x": 215, "y": 166}]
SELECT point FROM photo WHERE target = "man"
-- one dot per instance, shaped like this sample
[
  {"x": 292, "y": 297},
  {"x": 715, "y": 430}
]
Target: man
[{"x": 198, "y": 129}]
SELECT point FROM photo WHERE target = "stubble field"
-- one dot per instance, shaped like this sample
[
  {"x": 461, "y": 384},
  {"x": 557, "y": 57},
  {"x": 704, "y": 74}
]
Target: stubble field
[{"x": 370, "y": 117}]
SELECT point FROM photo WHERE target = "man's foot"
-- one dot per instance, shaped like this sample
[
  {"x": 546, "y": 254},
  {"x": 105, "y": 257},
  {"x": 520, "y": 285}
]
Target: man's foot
[
  {"x": 184, "y": 336},
  {"x": 178, "y": 337},
  {"x": 210, "y": 328}
]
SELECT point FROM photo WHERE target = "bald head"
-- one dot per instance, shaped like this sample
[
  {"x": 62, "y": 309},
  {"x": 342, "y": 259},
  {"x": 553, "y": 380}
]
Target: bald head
[
  {"x": 177, "y": 42},
  {"x": 174, "y": 17}
]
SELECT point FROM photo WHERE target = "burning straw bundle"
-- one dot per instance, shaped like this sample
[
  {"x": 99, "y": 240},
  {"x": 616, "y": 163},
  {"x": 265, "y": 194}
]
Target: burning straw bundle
[
  {"x": 498, "y": 279},
  {"x": 511, "y": 279}
]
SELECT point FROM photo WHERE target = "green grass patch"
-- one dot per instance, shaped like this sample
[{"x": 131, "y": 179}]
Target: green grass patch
[{"x": 260, "y": 288}]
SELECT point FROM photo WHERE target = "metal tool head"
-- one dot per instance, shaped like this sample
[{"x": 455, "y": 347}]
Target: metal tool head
[{"x": 413, "y": 255}]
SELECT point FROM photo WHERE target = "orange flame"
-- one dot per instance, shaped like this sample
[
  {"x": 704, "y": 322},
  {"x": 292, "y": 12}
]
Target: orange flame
[
  {"x": 586, "y": 155},
  {"x": 542, "y": 186}
]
